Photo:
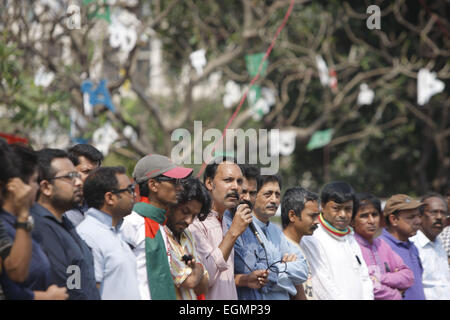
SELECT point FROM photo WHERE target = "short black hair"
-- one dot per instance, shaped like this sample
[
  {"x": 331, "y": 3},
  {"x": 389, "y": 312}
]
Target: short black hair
[
  {"x": 45, "y": 158},
  {"x": 7, "y": 169},
  {"x": 432, "y": 195},
  {"x": 263, "y": 179},
  {"x": 90, "y": 152},
  {"x": 99, "y": 182},
  {"x": 362, "y": 199},
  {"x": 295, "y": 199},
  {"x": 194, "y": 189},
  {"x": 16, "y": 161},
  {"x": 25, "y": 160},
  {"x": 339, "y": 192},
  {"x": 250, "y": 171},
  {"x": 211, "y": 168}
]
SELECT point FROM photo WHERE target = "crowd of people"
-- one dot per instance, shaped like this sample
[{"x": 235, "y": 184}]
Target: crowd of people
[{"x": 71, "y": 228}]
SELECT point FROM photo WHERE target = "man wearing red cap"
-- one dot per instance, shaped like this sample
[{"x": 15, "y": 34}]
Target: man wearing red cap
[{"x": 159, "y": 182}]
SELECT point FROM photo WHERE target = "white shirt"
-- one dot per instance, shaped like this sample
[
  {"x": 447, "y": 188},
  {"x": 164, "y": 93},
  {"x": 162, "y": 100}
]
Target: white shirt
[
  {"x": 133, "y": 232},
  {"x": 436, "y": 274},
  {"x": 337, "y": 273}
]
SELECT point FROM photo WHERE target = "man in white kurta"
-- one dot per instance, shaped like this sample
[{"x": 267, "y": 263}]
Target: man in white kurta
[
  {"x": 337, "y": 265},
  {"x": 337, "y": 273}
]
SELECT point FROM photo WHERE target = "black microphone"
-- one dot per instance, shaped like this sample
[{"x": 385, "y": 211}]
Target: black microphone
[
  {"x": 256, "y": 233},
  {"x": 251, "y": 225}
]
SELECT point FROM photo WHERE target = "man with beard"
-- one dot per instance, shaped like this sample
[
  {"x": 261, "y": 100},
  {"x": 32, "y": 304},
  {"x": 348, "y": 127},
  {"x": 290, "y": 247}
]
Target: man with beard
[
  {"x": 189, "y": 275},
  {"x": 159, "y": 181},
  {"x": 85, "y": 158},
  {"x": 71, "y": 260},
  {"x": 223, "y": 179},
  {"x": 337, "y": 265},
  {"x": 436, "y": 275},
  {"x": 283, "y": 262},
  {"x": 402, "y": 217},
  {"x": 299, "y": 218}
]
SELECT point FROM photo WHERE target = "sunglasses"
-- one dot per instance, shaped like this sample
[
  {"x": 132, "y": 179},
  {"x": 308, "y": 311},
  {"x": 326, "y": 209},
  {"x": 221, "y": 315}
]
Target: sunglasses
[{"x": 167, "y": 179}]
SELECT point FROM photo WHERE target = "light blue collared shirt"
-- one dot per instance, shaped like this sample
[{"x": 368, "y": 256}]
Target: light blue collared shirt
[
  {"x": 250, "y": 254},
  {"x": 114, "y": 262}
]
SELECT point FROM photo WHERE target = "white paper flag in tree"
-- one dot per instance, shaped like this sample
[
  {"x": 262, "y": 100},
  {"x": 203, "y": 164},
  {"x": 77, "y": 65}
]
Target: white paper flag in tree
[
  {"x": 427, "y": 86},
  {"x": 122, "y": 30},
  {"x": 42, "y": 78},
  {"x": 104, "y": 137},
  {"x": 232, "y": 94},
  {"x": 365, "y": 95},
  {"x": 323, "y": 71},
  {"x": 198, "y": 60}
]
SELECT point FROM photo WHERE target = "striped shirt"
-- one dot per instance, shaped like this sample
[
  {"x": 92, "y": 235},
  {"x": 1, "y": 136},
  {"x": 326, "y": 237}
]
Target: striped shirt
[{"x": 180, "y": 271}]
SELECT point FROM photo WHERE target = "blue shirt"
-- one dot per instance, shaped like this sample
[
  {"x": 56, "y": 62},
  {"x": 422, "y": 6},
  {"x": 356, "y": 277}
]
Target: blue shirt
[
  {"x": 410, "y": 255},
  {"x": 39, "y": 269},
  {"x": 71, "y": 261},
  {"x": 76, "y": 215},
  {"x": 250, "y": 256},
  {"x": 114, "y": 261}
]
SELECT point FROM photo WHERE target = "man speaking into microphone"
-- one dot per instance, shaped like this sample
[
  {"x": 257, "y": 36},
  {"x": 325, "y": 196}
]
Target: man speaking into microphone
[{"x": 223, "y": 179}]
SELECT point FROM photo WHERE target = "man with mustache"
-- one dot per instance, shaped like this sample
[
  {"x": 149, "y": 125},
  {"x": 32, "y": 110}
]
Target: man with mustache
[
  {"x": 436, "y": 275},
  {"x": 247, "y": 281},
  {"x": 402, "y": 218},
  {"x": 390, "y": 276},
  {"x": 337, "y": 265},
  {"x": 60, "y": 190},
  {"x": 283, "y": 263},
  {"x": 300, "y": 217},
  {"x": 223, "y": 179}
]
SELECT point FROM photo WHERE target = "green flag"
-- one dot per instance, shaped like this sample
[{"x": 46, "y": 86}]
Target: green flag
[
  {"x": 253, "y": 61},
  {"x": 320, "y": 139},
  {"x": 101, "y": 12}
]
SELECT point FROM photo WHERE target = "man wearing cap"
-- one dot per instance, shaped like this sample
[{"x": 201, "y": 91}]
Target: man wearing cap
[
  {"x": 436, "y": 275},
  {"x": 402, "y": 218},
  {"x": 159, "y": 182}
]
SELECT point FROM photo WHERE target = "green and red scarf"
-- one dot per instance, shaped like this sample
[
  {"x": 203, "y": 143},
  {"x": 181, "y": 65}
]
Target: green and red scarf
[{"x": 160, "y": 279}]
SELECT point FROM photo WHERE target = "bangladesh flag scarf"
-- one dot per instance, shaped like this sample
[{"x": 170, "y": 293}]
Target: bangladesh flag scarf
[{"x": 159, "y": 277}]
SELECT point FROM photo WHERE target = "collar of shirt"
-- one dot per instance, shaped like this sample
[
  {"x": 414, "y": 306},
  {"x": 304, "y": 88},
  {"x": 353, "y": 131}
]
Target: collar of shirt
[
  {"x": 45, "y": 213},
  {"x": 407, "y": 244},
  {"x": 104, "y": 219},
  {"x": 422, "y": 240},
  {"x": 261, "y": 224}
]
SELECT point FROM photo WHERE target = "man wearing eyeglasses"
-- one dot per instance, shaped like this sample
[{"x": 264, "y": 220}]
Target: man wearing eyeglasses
[
  {"x": 159, "y": 180},
  {"x": 110, "y": 195},
  {"x": 402, "y": 217},
  {"x": 436, "y": 275},
  {"x": 71, "y": 261}
]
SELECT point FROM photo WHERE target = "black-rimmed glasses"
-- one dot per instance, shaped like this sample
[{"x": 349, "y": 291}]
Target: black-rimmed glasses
[{"x": 131, "y": 189}]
